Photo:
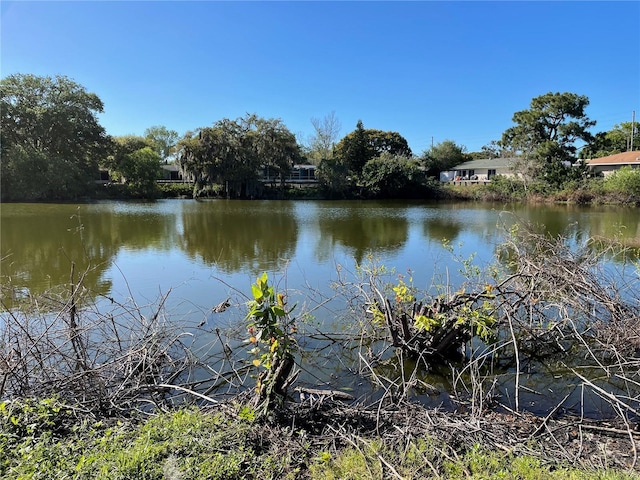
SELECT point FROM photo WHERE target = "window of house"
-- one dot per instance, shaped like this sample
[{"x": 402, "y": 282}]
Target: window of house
[{"x": 491, "y": 173}]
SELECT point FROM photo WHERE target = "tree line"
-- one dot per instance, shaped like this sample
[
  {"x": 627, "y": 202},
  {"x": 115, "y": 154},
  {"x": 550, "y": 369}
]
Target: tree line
[{"x": 53, "y": 148}]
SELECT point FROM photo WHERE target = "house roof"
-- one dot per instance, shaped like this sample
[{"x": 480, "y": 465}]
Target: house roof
[
  {"x": 624, "y": 158},
  {"x": 486, "y": 163}
]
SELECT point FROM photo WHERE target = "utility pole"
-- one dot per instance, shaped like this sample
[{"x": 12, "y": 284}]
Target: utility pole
[{"x": 633, "y": 128}]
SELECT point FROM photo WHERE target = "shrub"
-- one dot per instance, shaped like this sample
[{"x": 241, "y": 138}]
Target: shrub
[
  {"x": 506, "y": 188},
  {"x": 626, "y": 181},
  {"x": 175, "y": 190},
  {"x": 392, "y": 176}
]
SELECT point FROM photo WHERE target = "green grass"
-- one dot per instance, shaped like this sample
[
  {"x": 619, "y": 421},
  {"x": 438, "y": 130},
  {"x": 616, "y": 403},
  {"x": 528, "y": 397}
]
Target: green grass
[
  {"x": 44, "y": 440},
  {"x": 421, "y": 459}
]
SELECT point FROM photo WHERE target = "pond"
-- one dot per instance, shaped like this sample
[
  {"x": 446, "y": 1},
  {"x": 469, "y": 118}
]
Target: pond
[{"x": 202, "y": 253}]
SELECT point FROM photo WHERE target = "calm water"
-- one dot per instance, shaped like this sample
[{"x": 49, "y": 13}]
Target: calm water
[
  {"x": 144, "y": 248},
  {"x": 207, "y": 251}
]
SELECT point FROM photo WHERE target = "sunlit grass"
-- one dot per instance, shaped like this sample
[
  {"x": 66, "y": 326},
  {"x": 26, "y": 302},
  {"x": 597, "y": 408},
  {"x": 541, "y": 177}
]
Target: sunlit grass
[{"x": 37, "y": 441}]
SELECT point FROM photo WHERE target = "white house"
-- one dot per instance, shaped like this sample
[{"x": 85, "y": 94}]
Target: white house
[{"x": 479, "y": 171}]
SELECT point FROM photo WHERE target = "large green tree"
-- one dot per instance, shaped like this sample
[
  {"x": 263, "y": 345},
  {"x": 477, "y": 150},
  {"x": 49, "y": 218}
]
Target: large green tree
[
  {"x": 362, "y": 145},
  {"x": 275, "y": 146},
  {"x": 333, "y": 175},
  {"x": 392, "y": 176},
  {"x": 545, "y": 136},
  {"x": 51, "y": 139},
  {"x": 135, "y": 162},
  {"x": 121, "y": 147},
  {"x": 444, "y": 156},
  {"x": 162, "y": 140},
  {"x": 231, "y": 153},
  {"x": 354, "y": 150},
  {"x": 142, "y": 170}
]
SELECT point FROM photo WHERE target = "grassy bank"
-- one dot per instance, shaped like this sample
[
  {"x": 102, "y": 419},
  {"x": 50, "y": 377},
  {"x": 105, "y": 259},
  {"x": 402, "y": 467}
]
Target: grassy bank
[{"x": 47, "y": 439}]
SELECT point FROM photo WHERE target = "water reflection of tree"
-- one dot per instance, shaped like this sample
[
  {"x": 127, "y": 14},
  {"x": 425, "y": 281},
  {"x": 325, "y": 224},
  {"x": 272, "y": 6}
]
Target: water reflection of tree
[
  {"x": 362, "y": 230},
  {"x": 599, "y": 225},
  {"x": 40, "y": 242},
  {"x": 441, "y": 228},
  {"x": 622, "y": 224},
  {"x": 238, "y": 235},
  {"x": 133, "y": 230},
  {"x": 38, "y": 250}
]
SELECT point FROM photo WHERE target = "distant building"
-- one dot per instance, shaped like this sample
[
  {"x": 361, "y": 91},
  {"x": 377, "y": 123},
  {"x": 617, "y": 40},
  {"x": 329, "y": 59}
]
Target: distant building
[
  {"x": 299, "y": 175},
  {"x": 609, "y": 164},
  {"x": 170, "y": 173},
  {"x": 479, "y": 171}
]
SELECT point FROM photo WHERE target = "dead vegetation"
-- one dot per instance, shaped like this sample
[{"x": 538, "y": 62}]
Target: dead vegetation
[
  {"x": 111, "y": 359},
  {"x": 554, "y": 304}
]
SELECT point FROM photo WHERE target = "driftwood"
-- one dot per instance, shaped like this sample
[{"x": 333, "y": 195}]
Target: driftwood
[{"x": 335, "y": 394}]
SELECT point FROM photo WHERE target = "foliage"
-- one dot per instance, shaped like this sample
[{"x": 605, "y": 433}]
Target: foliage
[
  {"x": 275, "y": 145},
  {"x": 544, "y": 136},
  {"x": 122, "y": 147},
  {"x": 215, "y": 155},
  {"x": 31, "y": 417},
  {"x": 232, "y": 152},
  {"x": 482, "y": 463},
  {"x": 388, "y": 142},
  {"x": 31, "y": 174},
  {"x": 49, "y": 126},
  {"x": 494, "y": 149},
  {"x": 175, "y": 190},
  {"x": 506, "y": 188},
  {"x": 444, "y": 156},
  {"x": 162, "y": 140},
  {"x": 625, "y": 180},
  {"x": 362, "y": 145},
  {"x": 392, "y": 176},
  {"x": 270, "y": 330},
  {"x": 135, "y": 163},
  {"x": 419, "y": 458},
  {"x": 142, "y": 170},
  {"x": 478, "y": 319},
  {"x": 354, "y": 150},
  {"x": 431, "y": 330},
  {"x": 182, "y": 444},
  {"x": 616, "y": 140},
  {"x": 333, "y": 175}
]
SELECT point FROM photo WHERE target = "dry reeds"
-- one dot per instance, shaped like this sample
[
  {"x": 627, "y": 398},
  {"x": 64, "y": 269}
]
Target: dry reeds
[{"x": 109, "y": 359}]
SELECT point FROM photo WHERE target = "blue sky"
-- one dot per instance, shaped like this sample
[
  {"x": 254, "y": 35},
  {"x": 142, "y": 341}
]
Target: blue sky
[{"x": 441, "y": 70}]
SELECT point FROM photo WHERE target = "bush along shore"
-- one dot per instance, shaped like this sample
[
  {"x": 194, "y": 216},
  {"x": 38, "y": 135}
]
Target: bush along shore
[
  {"x": 620, "y": 188},
  {"x": 129, "y": 393}
]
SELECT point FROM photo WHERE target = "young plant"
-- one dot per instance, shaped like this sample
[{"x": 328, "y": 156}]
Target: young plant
[{"x": 270, "y": 328}]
